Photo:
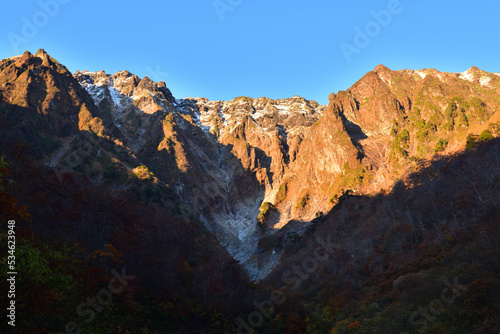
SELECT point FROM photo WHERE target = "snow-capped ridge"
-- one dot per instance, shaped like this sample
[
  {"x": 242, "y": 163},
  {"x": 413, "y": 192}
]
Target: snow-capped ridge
[
  {"x": 476, "y": 75},
  {"x": 421, "y": 73},
  {"x": 468, "y": 75}
]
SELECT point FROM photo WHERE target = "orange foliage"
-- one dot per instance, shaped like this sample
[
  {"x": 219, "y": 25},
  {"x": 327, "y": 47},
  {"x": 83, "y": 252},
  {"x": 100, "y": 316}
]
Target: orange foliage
[{"x": 353, "y": 325}]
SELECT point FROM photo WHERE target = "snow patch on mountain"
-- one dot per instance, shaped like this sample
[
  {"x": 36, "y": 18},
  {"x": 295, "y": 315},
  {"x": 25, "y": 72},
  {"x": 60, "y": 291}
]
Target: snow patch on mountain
[
  {"x": 199, "y": 121},
  {"x": 222, "y": 115},
  {"x": 467, "y": 75},
  {"x": 120, "y": 81},
  {"x": 282, "y": 109},
  {"x": 485, "y": 81},
  {"x": 97, "y": 93},
  {"x": 257, "y": 115},
  {"x": 116, "y": 96},
  {"x": 421, "y": 73},
  {"x": 384, "y": 79}
]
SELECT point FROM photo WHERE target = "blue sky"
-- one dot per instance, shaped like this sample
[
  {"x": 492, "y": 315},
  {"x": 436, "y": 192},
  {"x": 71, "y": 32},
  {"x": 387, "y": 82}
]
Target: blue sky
[{"x": 226, "y": 48}]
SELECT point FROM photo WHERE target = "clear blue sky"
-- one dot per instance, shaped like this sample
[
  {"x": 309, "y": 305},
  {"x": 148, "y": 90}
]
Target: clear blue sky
[{"x": 261, "y": 47}]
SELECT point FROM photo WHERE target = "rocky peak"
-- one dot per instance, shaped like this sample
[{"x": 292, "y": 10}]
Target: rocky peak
[
  {"x": 40, "y": 86},
  {"x": 221, "y": 116},
  {"x": 128, "y": 86},
  {"x": 382, "y": 69},
  {"x": 25, "y": 57},
  {"x": 478, "y": 76},
  {"x": 44, "y": 56},
  {"x": 147, "y": 83},
  {"x": 125, "y": 81}
]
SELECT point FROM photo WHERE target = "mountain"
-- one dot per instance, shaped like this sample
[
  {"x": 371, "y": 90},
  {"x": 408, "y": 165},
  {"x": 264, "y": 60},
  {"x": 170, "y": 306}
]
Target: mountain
[{"x": 254, "y": 181}]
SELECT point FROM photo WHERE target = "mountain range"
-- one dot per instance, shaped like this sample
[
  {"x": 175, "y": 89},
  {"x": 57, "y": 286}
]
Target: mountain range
[{"x": 210, "y": 203}]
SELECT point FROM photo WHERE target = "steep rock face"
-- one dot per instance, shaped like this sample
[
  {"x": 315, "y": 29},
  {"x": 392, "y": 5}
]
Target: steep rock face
[
  {"x": 258, "y": 130},
  {"x": 317, "y": 159},
  {"x": 372, "y": 103}
]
